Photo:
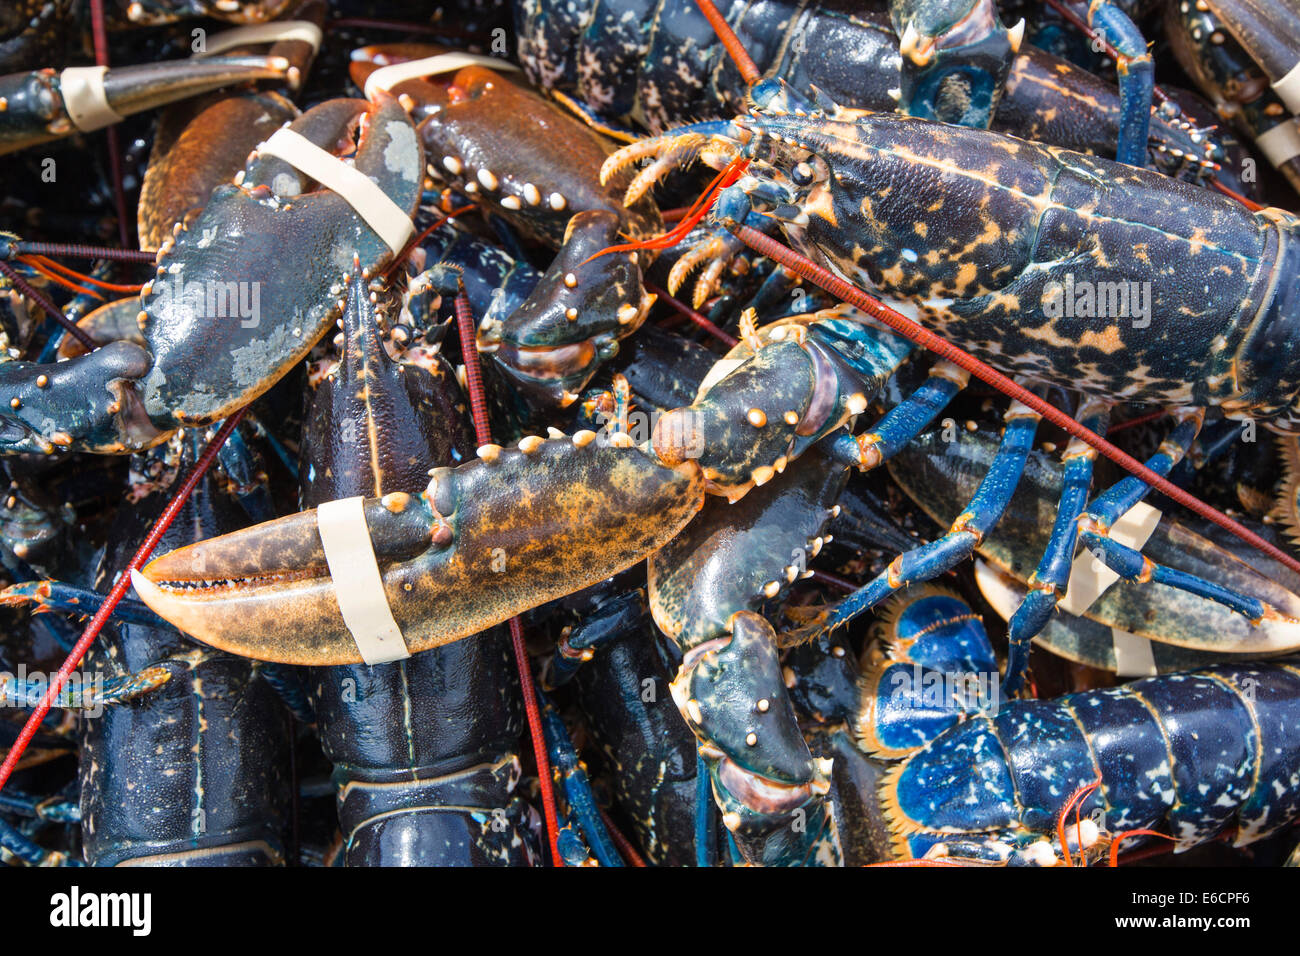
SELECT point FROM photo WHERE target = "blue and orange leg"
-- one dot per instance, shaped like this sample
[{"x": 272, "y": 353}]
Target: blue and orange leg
[
  {"x": 1047, "y": 583},
  {"x": 570, "y": 772},
  {"x": 1129, "y": 563},
  {"x": 985, "y": 509},
  {"x": 903, "y": 422},
  {"x": 1136, "y": 72},
  {"x": 62, "y": 596}
]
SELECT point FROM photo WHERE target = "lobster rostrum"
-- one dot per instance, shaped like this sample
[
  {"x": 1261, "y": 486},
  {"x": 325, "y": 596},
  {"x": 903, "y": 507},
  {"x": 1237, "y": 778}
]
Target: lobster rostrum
[{"x": 204, "y": 359}]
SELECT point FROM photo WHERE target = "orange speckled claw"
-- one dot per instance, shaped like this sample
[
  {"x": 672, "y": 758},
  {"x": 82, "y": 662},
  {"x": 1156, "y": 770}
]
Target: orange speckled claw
[{"x": 486, "y": 541}]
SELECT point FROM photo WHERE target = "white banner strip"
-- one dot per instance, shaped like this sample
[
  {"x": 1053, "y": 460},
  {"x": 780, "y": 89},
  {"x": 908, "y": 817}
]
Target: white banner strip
[
  {"x": 362, "y": 193},
  {"x": 1281, "y": 142},
  {"x": 357, "y": 583},
  {"x": 303, "y": 30},
  {"x": 1089, "y": 576},
  {"x": 386, "y": 77},
  {"x": 1133, "y": 657},
  {"x": 84, "y": 98},
  {"x": 1288, "y": 89}
]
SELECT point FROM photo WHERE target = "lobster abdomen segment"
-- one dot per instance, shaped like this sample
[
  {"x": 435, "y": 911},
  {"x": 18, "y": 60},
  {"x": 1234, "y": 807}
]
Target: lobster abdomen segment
[{"x": 1199, "y": 752}]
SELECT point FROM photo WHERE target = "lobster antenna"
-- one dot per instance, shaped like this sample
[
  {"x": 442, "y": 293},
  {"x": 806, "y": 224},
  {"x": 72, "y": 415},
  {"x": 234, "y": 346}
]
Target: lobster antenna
[
  {"x": 735, "y": 49},
  {"x": 847, "y": 292},
  {"x": 483, "y": 434}
]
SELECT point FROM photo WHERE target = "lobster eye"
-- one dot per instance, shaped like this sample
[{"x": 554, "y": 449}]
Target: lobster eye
[{"x": 802, "y": 174}]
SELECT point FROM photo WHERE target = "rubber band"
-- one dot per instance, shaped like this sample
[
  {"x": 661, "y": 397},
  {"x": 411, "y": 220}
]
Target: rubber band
[
  {"x": 358, "y": 586},
  {"x": 371, "y": 203},
  {"x": 303, "y": 30},
  {"x": 1288, "y": 89},
  {"x": 84, "y": 98},
  {"x": 1281, "y": 143},
  {"x": 386, "y": 77},
  {"x": 1133, "y": 655},
  {"x": 1090, "y": 577}
]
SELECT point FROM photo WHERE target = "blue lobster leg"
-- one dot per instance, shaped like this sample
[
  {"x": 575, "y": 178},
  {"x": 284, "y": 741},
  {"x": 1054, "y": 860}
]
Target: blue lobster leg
[
  {"x": 1047, "y": 583},
  {"x": 706, "y": 849},
  {"x": 903, "y": 422},
  {"x": 13, "y": 842},
  {"x": 568, "y": 768},
  {"x": 609, "y": 622},
  {"x": 1136, "y": 72},
  {"x": 28, "y": 693},
  {"x": 61, "y": 596},
  {"x": 930, "y": 560},
  {"x": 47, "y": 809},
  {"x": 1129, "y": 563}
]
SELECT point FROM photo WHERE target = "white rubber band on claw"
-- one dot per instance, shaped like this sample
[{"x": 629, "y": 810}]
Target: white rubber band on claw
[
  {"x": 84, "y": 98},
  {"x": 386, "y": 77},
  {"x": 303, "y": 30},
  {"x": 372, "y": 204},
  {"x": 1090, "y": 577},
  {"x": 1288, "y": 89},
  {"x": 1133, "y": 655},
  {"x": 1281, "y": 143},
  {"x": 358, "y": 586}
]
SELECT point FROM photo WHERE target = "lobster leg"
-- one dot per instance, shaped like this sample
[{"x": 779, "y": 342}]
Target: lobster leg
[
  {"x": 903, "y": 422},
  {"x": 570, "y": 771},
  {"x": 931, "y": 560},
  {"x": 1047, "y": 583},
  {"x": 13, "y": 843},
  {"x": 1131, "y": 564},
  {"x": 62, "y": 596},
  {"x": 1136, "y": 72},
  {"x": 15, "y": 693}
]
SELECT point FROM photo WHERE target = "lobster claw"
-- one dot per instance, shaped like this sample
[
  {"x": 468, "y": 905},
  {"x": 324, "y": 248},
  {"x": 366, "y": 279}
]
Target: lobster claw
[
  {"x": 482, "y": 543},
  {"x": 768, "y": 785},
  {"x": 552, "y": 345},
  {"x": 241, "y": 295},
  {"x": 290, "y": 243},
  {"x": 38, "y": 110},
  {"x": 87, "y": 401}
]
